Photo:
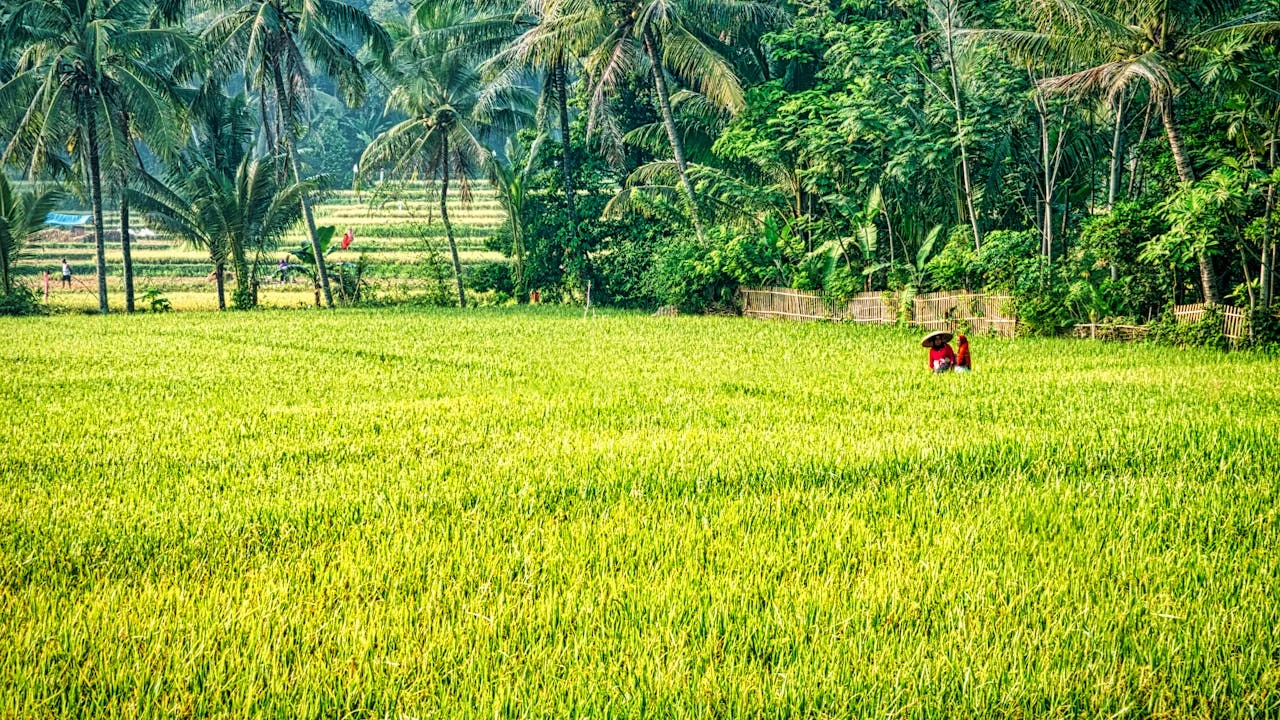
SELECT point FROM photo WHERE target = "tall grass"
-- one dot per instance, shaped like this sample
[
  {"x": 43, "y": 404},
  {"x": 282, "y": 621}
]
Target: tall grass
[{"x": 522, "y": 513}]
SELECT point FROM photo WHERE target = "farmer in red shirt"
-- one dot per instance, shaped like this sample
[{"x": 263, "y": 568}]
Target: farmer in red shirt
[{"x": 941, "y": 357}]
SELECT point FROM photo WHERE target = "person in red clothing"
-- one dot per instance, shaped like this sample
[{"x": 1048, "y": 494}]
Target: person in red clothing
[
  {"x": 941, "y": 357},
  {"x": 963, "y": 363},
  {"x": 347, "y": 238}
]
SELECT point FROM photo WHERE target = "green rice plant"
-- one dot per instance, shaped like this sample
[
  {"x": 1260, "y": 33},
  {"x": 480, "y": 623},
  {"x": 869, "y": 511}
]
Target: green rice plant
[{"x": 522, "y": 513}]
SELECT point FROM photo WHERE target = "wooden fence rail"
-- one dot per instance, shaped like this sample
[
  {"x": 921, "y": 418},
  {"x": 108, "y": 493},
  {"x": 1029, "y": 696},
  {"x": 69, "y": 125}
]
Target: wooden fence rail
[{"x": 932, "y": 311}]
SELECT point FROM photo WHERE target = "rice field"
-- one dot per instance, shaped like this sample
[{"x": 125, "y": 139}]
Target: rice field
[
  {"x": 524, "y": 513},
  {"x": 397, "y": 237}
]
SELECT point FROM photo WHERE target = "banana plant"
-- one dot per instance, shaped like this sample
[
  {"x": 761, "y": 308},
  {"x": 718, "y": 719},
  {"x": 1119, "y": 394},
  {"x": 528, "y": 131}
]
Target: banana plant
[
  {"x": 22, "y": 215},
  {"x": 864, "y": 238},
  {"x": 928, "y": 242},
  {"x": 305, "y": 257}
]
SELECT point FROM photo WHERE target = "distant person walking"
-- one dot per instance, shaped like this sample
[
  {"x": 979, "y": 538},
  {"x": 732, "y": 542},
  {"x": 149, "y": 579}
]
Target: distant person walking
[
  {"x": 347, "y": 238},
  {"x": 282, "y": 270},
  {"x": 66, "y": 273}
]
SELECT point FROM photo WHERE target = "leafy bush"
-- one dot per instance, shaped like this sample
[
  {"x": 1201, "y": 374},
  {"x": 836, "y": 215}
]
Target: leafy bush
[
  {"x": 490, "y": 277},
  {"x": 20, "y": 301},
  {"x": 1205, "y": 332},
  {"x": 1008, "y": 258},
  {"x": 957, "y": 266},
  {"x": 1264, "y": 329},
  {"x": 347, "y": 280},
  {"x": 764, "y": 258},
  {"x": 155, "y": 299},
  {"x": 687, "y": 275}
]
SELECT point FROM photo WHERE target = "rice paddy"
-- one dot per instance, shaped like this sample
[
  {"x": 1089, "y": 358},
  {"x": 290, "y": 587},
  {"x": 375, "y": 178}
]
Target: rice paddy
[
  {"x": 397, "y": 237},
  {"x": 524, "y": 513}
]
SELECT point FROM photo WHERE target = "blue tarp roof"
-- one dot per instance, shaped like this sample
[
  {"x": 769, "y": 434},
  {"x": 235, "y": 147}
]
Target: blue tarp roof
[{"x": 67, "y": 220}]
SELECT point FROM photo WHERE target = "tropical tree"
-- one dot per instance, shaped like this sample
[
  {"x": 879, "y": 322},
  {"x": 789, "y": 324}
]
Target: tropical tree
[
  {"x": 1109, "y": 46},
  {"x": 212, "y": 196},
  {"x": 84, "y": 63},
  {"x": 1246, "y": 79},
  {"x": 687, "y": 39},
  {"x": 158, "y": 126},
  {"x": 274, "y": 44},
  {"x": 511, "y": 178},
  {"x": 946, "y": 16},
  {"x": 228, "y": 216},
  {"x": 455, "y": 118},
  {"x": 543, "y": 48},
  {"x": 21, "y": 217}
]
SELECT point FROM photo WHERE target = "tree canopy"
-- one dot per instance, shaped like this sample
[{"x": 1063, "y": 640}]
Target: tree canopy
[{"x": 1096, "y": 158}]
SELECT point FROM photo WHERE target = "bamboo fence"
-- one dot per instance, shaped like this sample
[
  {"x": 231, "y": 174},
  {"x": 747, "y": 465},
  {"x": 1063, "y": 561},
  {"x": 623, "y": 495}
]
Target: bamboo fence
[
  {"x": 933, "y": 311},
  {"x": 1233, "y": 319},
  {"x": 1111, "y": 331},
  {"x": 784, "y": 303},
  {"x": 953, "y": 311}
]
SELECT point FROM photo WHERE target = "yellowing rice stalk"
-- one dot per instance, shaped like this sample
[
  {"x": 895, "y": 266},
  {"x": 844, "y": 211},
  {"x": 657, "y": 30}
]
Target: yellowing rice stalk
[{"x": 521, "y": 513}]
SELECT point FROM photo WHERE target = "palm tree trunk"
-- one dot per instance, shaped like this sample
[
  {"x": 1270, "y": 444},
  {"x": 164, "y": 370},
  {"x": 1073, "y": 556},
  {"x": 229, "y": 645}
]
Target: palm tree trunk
[
  {"x": 245, "y": 292},
  {"x": 669, "y": 121},
  {"x": 1208, "y": 281},
  {"x": 290, "y": 141},
  {"x": 4, "y": 269},
  {"x": 1117, "y": 169},
  {"x": 1117, "y": 149},
  {"x": 322, "y": 270},
  {"x": 1266, "y": 269},
  {"x": 1133, "y": 162},
  {"x": 126, "y": 250},
  {"x": 219, "y": 270},
  {"x": 964, "y": 151},
  {"x": 517, "y": 252},
  {"x": 95, "y": 194},
  {"x": 1271, "y": 274},
  {"x": 1046, "y": 227},
  {"x": 448, "y": 226},
  {"x": 566, "y": 150}
]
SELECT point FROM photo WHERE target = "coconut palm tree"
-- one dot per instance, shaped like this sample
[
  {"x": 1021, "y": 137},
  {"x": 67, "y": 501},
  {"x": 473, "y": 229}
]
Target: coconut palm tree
[
  {"x": 685, "y": 39},
  {"x": 455, "y": 118},
  {"x": 84, "y": 63},
  {"x": 221, "y": 130},
  {"x": 153, "y": 120},
  {"x": 1109, "y": 46},
  {"x": 539, "y": 48},
  {"x": 275, "y": 43},
  {"x": 21, "y": 217},
  {"x": 227, "y": 215}
]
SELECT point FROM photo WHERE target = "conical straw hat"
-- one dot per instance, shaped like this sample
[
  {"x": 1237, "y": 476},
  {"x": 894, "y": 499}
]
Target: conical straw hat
[{"x": 946, "y": 337}]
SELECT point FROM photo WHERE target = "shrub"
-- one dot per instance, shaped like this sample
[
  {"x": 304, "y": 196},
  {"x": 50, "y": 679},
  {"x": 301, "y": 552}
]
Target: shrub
[
  {"x": 20, "y": 301},
  {"x": 490, "y": 277},
  {"x": 156, "y": 301},
  {"x": 956, "y": 267},
  {"x": 687, "y": 275},
  {"x": 1205, "y": 332},
  {"x": 1264, "y": 329}
]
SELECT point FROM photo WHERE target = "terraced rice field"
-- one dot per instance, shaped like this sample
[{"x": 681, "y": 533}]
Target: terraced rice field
[
  {"x": 397, "y": 236},
  {"x": 517, "y": 513}
]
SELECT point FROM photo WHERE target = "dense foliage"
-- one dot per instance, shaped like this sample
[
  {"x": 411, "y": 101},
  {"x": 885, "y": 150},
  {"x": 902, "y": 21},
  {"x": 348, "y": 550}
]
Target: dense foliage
[{"x": 1099, "y": 159}]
